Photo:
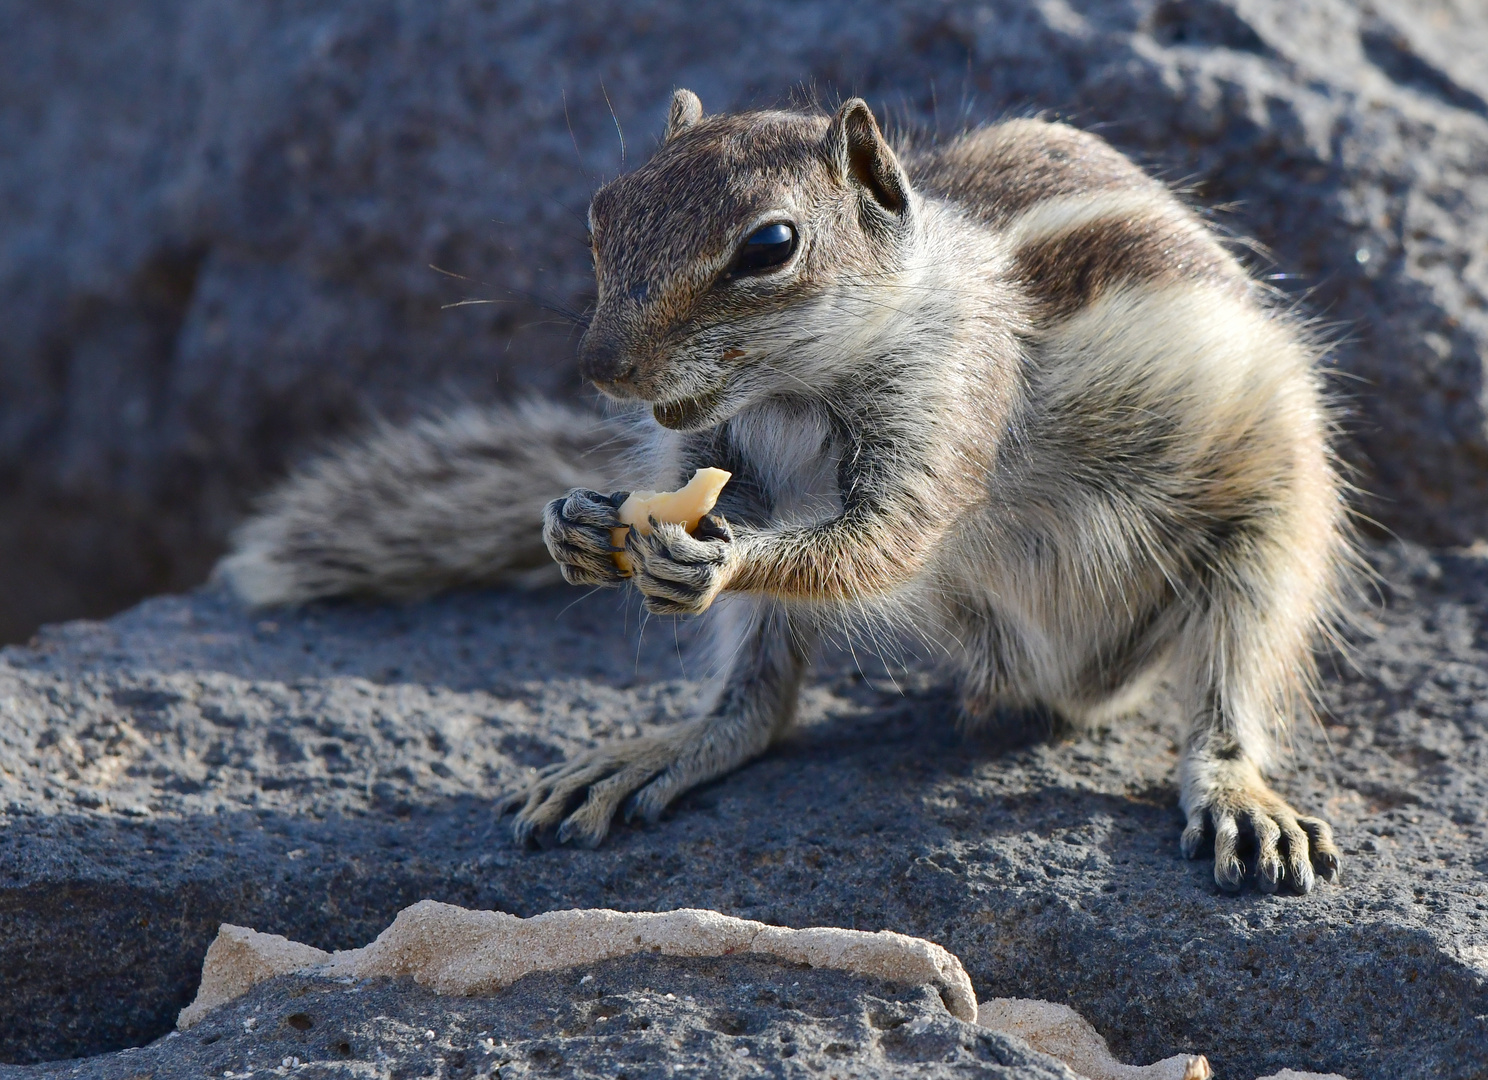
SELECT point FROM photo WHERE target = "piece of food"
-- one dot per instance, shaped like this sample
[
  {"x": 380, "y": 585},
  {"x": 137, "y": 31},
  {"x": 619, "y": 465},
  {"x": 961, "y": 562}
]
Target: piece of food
[{"x": 684, "y": 507}]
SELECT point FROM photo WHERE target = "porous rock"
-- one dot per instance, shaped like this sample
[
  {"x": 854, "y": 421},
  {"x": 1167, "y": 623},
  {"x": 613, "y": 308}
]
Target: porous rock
[
  {"x": 240, "y": 958},
  {"x": 641, "y": 1017},
  {"x": 456, "y": 951},
  {"x": 219, "y": 220},
  {"x": 1060, "y": 1032},
  {"x": 311, "y": 774}
]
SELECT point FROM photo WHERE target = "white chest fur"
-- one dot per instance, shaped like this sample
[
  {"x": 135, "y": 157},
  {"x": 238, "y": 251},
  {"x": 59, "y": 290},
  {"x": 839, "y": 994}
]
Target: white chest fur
[{"x": 791, "y": 449}]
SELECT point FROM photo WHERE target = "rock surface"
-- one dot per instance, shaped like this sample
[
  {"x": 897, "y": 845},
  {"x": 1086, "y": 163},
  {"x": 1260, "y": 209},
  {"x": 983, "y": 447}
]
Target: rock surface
[
  {"x": 311, "y": 774},
  {"x": 454, "y": 950},
  {"x": 218, "y": 219},
  {"x": 638, "y": 1017}
]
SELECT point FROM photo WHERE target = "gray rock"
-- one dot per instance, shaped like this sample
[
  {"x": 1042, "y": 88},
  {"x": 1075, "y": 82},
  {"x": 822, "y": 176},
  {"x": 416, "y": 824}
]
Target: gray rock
[
  {"x": 218, "y": 219},
  {"x": 639, "y": 1017},
  {"x": 311, "y": 774}
]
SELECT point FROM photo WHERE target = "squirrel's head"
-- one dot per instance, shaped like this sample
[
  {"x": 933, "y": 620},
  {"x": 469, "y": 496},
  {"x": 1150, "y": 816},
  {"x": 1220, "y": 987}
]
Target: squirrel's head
[{"x": 722, "y": 261}]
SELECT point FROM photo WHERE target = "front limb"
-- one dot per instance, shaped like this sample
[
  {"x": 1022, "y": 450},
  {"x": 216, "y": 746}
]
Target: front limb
[
  {"x": 1222, "y": 790},
  {"x": 756, "y": 703},
  {"x": 895, "y": 511}
]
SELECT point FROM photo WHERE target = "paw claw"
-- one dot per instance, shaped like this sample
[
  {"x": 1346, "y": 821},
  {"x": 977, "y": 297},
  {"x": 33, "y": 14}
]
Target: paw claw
[
  {"x": 522, "y": 833},
  {"x": 1303, "y": 878},
  {"x": 572, "y": 832},
  {"x": 1229, "y": 875},
  {"x": 1269, "y": 876},
  {"x": 635, "y": 814}
]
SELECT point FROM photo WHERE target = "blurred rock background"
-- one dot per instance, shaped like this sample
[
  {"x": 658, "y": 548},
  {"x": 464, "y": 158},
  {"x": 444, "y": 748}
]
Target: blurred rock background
[{"x": 218, "y": 218}]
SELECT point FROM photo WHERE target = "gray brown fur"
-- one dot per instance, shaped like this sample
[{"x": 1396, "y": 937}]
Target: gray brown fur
[
  {"x": 408, "y": 511},
  {"x": 1008, "y": 391}
]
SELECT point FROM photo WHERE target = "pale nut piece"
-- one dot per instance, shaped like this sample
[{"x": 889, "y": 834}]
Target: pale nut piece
[{"x": 685, "y": 506}]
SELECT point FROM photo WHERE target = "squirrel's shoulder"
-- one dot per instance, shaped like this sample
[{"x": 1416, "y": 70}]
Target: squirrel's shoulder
[{"x": 998, "y": 171}]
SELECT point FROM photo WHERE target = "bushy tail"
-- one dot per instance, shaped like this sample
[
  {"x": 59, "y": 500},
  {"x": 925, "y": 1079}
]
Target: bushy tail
[{"x": 406, "y": 511}]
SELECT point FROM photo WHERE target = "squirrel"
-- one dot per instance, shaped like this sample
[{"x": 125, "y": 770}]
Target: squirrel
[{"x": 1007, "y": 388}]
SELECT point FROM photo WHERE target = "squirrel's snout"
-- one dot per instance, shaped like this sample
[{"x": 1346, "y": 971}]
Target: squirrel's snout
[{"x": 603, "y": 360}]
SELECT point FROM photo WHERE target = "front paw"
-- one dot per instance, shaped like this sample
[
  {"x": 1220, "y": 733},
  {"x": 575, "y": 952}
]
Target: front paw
[
  {"x": 576, "y": 529},
  {"x": 1232, "y": 799},
  {"x": 678, "y": 573}
]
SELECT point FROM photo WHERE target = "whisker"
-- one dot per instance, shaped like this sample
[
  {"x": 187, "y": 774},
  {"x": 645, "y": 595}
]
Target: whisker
[
  {"x": 575, "y": 139},
  {"x": 546, "y": 303},
  {"x": 615, "y": 118}
]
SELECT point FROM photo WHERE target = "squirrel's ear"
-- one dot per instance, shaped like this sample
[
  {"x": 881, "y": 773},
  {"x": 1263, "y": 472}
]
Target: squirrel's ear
[
  {"x": 686, "y": 110},
  {"x": 862, "y": 155}
]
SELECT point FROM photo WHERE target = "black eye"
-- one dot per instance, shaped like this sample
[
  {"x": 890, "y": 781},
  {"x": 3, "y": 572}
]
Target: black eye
[{"x": 766, "y": 247}]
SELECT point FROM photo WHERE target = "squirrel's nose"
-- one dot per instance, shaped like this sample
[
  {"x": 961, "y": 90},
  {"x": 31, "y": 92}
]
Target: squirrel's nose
[{"x": 602, "y": 359}]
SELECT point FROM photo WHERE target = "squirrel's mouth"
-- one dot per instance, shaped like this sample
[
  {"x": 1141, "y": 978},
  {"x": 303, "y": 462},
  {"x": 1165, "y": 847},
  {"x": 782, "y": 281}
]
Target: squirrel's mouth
[{"x": 688, "y": 412}]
